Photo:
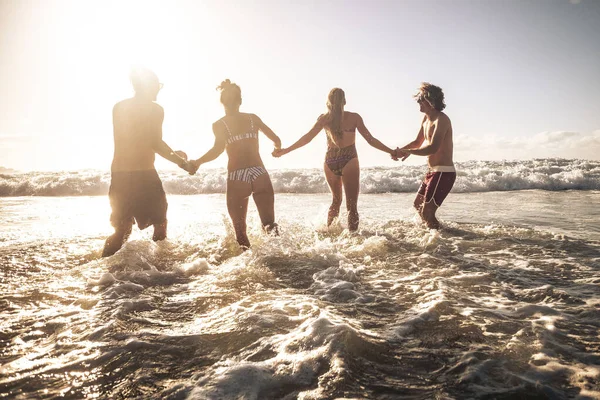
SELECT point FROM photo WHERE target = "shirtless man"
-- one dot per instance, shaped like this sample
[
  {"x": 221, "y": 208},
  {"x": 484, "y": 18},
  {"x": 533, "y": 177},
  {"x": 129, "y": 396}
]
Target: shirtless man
[
  {"x": 436, "y": 133},
  {"x": 136, "y": 193}
]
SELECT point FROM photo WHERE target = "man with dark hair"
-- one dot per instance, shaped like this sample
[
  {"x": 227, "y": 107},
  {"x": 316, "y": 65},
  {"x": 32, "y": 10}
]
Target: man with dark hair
[
  {"x": 434, "y": 140},
  {"x": 136, "y": 193}
]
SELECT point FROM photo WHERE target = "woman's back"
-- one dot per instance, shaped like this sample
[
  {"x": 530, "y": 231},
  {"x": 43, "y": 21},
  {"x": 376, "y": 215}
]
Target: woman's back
[
  {"x": 240, "y": 132},
  {"x": 348, "y": 126}
]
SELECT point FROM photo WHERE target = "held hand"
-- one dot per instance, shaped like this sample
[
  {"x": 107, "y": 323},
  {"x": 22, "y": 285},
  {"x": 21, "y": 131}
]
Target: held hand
[
  {"x": 394, "y": 154},
  {"x": 184, "y": 163},
  {"x": 278, "y": 152},
  {"x": 193, "y": 166},
  {"x": 403, "y": 155},
  {"x": 187, "y": 166}
]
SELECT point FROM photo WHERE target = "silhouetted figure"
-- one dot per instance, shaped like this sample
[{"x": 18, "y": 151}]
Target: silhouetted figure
[
  {"x": 341, "y": 160},
  {"x": 237, "y": 133},
  {"x": 436, "y": 133},
  {"x": 136, "y": 193}
]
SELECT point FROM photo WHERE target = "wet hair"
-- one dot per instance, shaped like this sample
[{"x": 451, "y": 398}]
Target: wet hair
[
  {"x": 432, "y": 94},
  {"x": 231, "y": 94},
  {"x": 336, "y": 100},
  {"x": 143, "y": 80}
]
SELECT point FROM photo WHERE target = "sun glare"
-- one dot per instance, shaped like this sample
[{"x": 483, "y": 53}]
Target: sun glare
[{"x": 98, "y": 44}]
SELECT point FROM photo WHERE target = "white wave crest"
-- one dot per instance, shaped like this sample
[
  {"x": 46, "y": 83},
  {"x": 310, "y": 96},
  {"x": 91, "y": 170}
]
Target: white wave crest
[{"x": 473, "y": 176}]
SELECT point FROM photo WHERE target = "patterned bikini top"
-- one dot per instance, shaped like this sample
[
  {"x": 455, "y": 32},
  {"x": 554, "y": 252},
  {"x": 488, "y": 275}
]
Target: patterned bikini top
[{"x": 249, "y": 135}]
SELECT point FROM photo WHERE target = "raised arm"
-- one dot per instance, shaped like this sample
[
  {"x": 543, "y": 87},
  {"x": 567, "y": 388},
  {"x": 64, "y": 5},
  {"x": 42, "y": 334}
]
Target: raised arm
[
  {"x": 437, "y": 138},
  {"x": 304, "y": 140},
  {"x": 362, "y": 129},
  {"x": 217, "y": 149},
  {"x": 161, "y": 148},
  {"x": 268, "y": 133}
]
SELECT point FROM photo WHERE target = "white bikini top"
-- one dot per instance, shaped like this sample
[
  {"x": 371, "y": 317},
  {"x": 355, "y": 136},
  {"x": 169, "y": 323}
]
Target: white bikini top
[{"x": 249, "y": 135}]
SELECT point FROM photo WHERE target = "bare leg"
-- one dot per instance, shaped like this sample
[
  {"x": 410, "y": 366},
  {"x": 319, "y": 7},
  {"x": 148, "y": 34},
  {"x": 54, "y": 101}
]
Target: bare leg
[
  {"x": 160, "y": 231},
  {"x": 351, "y": 181},
  {"x": 116, "y": 240},
  {"x": 419, "y": 200},
  {"x": 335, "y": 185},
  {"x": 264, "y": 198},
  {"x": 428, "y": 215},
  {"x": 238, "y": 193}
]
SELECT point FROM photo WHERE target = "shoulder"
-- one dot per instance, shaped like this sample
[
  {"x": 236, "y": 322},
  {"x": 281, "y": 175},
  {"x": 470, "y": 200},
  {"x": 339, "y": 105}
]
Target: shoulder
[
  {"x": 155, "y": 112},
  {"x": 323, "y": 118},
  {"x": 120, "y": 105},
  {"x": 156, "y": 108},
  {"x": 254, "y": 117},
  {"x": 353, "y": 115},
  {"x": 218, "y": 126},
  {"x": 444, "y": 119}
]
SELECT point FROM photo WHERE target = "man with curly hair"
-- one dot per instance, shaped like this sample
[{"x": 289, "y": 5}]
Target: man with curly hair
[{"x": 434, "y": 140}]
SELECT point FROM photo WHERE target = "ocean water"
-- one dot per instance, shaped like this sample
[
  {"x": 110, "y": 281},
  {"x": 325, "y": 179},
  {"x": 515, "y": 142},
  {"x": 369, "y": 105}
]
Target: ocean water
[{"x": 503, "y": 303}]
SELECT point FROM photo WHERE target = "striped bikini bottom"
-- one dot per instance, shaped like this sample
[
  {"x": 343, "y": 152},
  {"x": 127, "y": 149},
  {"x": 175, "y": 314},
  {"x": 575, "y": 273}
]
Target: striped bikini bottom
[{"x": 246, "y": 174}]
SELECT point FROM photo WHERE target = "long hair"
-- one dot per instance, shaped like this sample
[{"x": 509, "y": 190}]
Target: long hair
[
  {"x": 336, "y": 100},
  {"x": 231, "y": 94}
]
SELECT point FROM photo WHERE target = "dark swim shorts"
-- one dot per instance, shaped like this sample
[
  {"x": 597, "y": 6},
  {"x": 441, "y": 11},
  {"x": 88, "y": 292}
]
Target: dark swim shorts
[
  {"x": 436, "y": 186},
  {"x": 137, "y": 196}
]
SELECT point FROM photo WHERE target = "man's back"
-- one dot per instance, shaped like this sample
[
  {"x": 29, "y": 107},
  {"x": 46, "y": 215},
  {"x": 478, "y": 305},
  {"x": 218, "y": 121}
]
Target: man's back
[{"x": 137, "y": 127}]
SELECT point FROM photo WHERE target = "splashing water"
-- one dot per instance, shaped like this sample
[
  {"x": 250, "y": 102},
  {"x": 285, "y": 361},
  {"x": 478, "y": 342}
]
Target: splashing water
[{"x": 501, "y": 303}]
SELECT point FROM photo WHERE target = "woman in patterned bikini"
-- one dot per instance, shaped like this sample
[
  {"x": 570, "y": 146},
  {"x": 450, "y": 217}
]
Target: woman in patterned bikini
[
  {"x": 341, "y": 161},
  {"x": 237, "y": 133}
]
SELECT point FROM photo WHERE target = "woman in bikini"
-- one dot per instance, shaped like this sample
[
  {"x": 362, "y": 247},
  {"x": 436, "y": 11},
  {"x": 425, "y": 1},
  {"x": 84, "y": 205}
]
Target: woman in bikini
[
  {"x": 237, "y": 133},
  {"x": 341, "y": 160}
]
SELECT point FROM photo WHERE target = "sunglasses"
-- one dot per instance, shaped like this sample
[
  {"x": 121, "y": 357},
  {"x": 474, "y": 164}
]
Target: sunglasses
[{"x": 421, "y": 98}]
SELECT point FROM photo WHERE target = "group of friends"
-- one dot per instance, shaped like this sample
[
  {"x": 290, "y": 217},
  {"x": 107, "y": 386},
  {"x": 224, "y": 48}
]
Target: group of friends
[{"x": 137, "y": 196}]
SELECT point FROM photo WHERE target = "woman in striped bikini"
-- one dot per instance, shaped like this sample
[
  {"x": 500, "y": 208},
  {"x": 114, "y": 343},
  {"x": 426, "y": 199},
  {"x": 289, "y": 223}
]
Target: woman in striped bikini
[
  {"x": 237, "y": 133},
  {"x": 341, "y": 160}
]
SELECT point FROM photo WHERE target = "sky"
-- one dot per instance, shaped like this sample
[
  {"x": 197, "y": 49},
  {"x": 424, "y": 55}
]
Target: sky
[{"x": 520, "y": 77}]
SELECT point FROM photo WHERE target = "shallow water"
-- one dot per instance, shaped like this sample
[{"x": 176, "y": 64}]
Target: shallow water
[{"x": 502, "y": 303}]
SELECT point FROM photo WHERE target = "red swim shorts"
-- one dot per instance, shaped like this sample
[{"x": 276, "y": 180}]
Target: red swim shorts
[{"x": 436, "y": 186}]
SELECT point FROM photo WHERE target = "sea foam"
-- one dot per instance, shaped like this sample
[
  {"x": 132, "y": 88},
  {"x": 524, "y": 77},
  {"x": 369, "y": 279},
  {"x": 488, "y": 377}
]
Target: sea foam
[{"x": 473, "y": 176}]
